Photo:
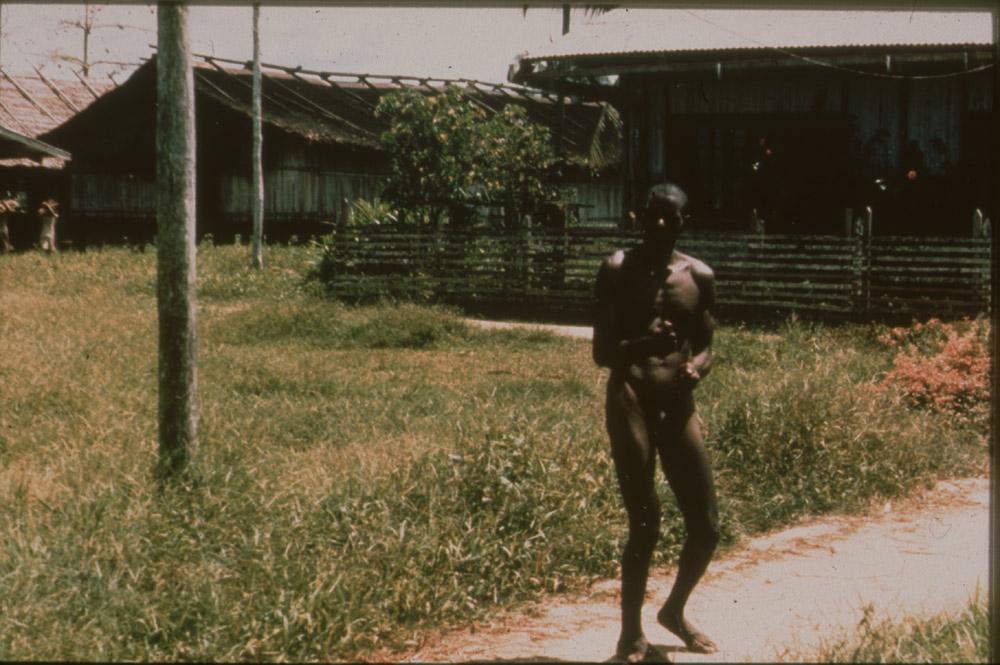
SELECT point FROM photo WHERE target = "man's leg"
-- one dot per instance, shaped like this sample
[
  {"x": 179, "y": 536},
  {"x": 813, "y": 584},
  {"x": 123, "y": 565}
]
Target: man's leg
[
  {"x": 686, "y": 466},
  {"x": 634, "y": 459}
]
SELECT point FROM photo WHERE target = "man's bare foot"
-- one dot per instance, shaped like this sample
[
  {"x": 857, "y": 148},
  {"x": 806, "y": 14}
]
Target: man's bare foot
[
  {"x": 695, "y": 640},
  {"x": 632, "y": 651}
]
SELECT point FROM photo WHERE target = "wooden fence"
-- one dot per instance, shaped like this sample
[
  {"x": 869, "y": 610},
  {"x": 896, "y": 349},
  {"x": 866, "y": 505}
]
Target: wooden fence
[{"x": 553, "y": 272}]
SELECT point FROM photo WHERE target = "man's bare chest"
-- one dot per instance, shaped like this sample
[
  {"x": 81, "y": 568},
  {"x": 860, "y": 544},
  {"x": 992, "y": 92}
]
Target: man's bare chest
[{"x": 668, "y": 291}]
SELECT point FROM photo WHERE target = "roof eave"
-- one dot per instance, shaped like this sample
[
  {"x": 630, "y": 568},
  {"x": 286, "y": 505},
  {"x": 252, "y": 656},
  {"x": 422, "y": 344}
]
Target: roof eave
[
  {"x": 552, "y": 72},
  {"x": 15, "y": 146}
]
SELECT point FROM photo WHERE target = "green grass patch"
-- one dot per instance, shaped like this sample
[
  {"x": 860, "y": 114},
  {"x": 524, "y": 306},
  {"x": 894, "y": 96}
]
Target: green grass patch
[
  {"x": 367, "y": 473},
  {"x": 963, "y": 637}
]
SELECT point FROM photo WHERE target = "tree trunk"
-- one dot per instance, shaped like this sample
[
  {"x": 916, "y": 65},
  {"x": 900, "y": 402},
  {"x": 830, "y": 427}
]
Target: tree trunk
[
  {"x": 257, "y": 206},
  {"x": 175, "y": 246}
]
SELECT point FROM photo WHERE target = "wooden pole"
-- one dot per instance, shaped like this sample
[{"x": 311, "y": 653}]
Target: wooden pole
[
  {"x": 257, "y": 206},
  {"x": 994, "y": 594},
  {"x": 175, "y": 246}
]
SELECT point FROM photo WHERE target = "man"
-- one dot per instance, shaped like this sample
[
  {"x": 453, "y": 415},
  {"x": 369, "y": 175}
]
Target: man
[
  {"x": 48, "y": 213},
  {"x": 653, "y": 331},
  {"x": 8, "y": 207}
]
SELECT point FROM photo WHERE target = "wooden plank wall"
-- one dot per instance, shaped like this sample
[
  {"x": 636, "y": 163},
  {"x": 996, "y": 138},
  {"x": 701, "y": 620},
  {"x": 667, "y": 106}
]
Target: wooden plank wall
[
  {"x": 826, "y": 276},
  {"x": 296, "y": 193},
  {"x": 109, "y": 194}
]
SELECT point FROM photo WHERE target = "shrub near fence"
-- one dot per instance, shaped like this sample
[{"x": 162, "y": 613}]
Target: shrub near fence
[{"x": 553, "y": 271}]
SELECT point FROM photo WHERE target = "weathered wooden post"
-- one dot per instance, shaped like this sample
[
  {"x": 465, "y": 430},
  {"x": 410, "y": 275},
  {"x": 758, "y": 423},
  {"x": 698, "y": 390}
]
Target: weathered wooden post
[
  {"x": 340, "y": 245},
  {"x": 994, "y": 595},
  {"x": 175, "y": 247},
  {"x": 866, "y": 260},
  {"x": 980, "y": 232},
  {"x": 344, "y": 218},
  {"x": 528, "y": 268},
  {"x": 861, "y": 263},
  {"x": 257, "y": 204},
  {"x": 7, "y": 208}
]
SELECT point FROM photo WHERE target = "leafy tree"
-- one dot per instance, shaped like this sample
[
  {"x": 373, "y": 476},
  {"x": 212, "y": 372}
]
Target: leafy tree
[{"x": 448, "y": 152}]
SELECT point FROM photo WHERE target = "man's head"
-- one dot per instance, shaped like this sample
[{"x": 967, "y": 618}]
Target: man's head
[{"x": 663, "y": 215}]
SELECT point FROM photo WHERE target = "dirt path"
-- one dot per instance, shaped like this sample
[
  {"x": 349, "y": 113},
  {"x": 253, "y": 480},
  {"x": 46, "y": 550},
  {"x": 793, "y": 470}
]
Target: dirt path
[
  {"x": 780, "y": 593},
  {"x": 777, "y": 593},
  {"x": 584, "y": 332}
]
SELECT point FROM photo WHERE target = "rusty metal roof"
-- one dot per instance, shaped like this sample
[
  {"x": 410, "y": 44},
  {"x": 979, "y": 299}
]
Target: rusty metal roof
[
  {"x": 14, "y": 145},
  {"x": 624, "y": 31},
  {"x": 33, "y": 105},
  {"x": 326, "y": 106},
  {"x": 338, "y": 107}
]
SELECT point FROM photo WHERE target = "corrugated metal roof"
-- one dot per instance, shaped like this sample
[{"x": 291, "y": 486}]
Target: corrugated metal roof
[
  {"x": 329, "y": 107},
  {"x": 33, "y": 105},
  {"x": 651, "y": 31},
  {"x": 15, "y": 144},
  {"x": 339, "y": 107}
]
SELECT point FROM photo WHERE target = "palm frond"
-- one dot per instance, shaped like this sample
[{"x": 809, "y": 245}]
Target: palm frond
[{"x": 606, "y": 141}]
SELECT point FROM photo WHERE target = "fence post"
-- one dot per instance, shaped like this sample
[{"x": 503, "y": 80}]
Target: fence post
[
  {"x": 980, "y": 231},
  {"x": 861, "y": 263},
  {"x": 977, "y": 223},
  {"x": 527, "y": 273},
  {"x": 342, "y": 224},
  {"x": 757, "y": 224}
]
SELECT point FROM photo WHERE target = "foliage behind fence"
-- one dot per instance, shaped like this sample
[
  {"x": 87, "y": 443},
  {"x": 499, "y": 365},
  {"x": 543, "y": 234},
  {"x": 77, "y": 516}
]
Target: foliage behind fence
[{"x": 553, "y": 271}]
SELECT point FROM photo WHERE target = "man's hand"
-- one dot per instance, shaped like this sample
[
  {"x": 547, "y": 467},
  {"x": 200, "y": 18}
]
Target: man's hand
[
  {"x": 689, "y": 376},
  {"x": 662, "y": 331}
]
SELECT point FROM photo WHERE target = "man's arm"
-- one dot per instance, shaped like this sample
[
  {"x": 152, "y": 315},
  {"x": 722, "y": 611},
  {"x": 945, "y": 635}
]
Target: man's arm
[
  {"x": 704, "y": 329},
  {"x": 607, "y": 333}
]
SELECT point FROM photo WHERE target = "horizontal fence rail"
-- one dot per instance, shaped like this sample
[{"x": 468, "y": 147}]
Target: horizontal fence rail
[{"x": 544, "y": 270}]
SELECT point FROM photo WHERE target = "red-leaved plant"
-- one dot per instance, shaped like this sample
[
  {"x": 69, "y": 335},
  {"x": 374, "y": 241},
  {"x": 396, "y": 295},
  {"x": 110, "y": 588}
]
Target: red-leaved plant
[{"x": 942, "y": 366}]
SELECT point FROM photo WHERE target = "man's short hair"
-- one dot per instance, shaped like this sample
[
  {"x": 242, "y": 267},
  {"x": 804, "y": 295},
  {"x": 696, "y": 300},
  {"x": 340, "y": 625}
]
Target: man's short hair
[{"x": 667, "y": 191}]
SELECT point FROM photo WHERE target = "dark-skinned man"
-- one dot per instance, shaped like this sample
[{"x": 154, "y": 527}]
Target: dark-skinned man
[{"x": 653, "y": 330}]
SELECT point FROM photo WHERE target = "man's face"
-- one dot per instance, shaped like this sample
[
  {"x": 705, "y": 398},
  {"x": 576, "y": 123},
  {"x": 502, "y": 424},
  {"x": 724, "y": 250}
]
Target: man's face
[{"x": 663, "y": 220}]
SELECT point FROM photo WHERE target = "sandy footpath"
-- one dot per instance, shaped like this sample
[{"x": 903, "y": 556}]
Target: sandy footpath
[{"x": 780, "y": 592}]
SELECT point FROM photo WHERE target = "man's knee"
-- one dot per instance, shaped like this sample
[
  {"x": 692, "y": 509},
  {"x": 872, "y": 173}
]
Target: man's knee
[
  {"x": 705, "y": 532},
  {"x": 644, "y": 529}
]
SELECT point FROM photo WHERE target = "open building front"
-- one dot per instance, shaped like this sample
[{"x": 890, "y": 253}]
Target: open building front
[
  {"x": 320, "y": 148},
  {"x": 31, "y": 169},
  {"x": 793, "y": 131}
]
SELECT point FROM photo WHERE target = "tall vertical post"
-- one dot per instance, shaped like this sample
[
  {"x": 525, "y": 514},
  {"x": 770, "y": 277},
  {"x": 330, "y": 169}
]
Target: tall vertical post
[
  {"x": 175, "y": 246},
  {"x": 561, "y": 128},
  {"x": 257, "y": 205},
  {"x": 994, "y": 611},
  {"x": 861, "y": 264}
]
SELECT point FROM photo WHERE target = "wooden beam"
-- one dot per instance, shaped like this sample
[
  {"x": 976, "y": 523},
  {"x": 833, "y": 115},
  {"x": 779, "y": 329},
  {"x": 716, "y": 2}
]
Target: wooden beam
[
  {"x": 27, "y": 95},
  {"x": 52, "y": 86},
  {"x": 994, "y": 593},
  {"x": 87, "y": 85}
]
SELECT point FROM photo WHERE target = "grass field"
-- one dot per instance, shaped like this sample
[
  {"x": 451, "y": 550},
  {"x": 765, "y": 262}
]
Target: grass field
[
  {"x": 963, "y": 637},
  {"x": 365, "y": 474}
]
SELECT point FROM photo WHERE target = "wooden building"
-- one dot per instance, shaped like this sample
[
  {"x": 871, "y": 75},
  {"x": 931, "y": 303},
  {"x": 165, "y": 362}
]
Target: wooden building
[
  {"x": 321, "y": 146},
  {"x": 30, "y": 168},
  {"x": 798, "y": 129}
]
